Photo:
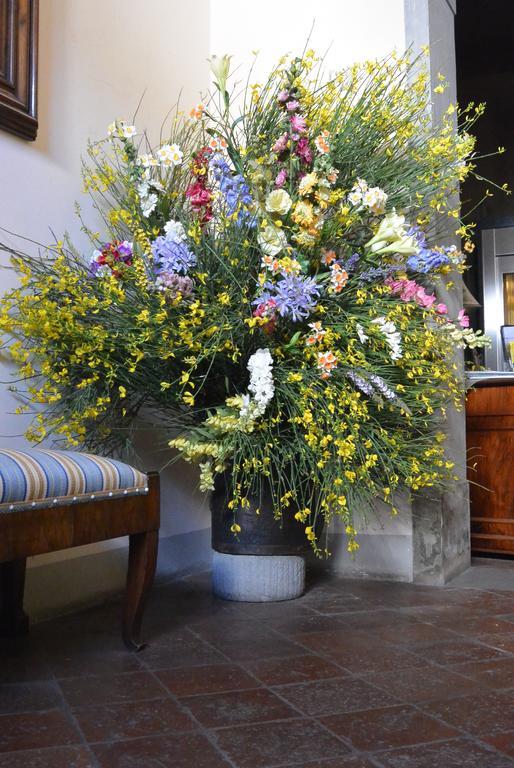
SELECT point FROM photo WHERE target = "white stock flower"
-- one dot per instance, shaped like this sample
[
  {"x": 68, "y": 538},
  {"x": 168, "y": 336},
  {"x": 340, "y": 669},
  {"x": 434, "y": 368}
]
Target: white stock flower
[
  {"x": 278, "y": 201},
  {"x": 261, "y": 387},
  {"x": 175, "y": 231}
]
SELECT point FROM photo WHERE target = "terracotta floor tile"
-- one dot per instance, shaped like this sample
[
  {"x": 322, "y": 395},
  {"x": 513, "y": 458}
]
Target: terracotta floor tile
[
  {"x": 295, "y": 669},
  {"x": 295, "y": 625},
  {"x": 188, "y": 681},
  {"x": 116, "y": 722},
  {"x": 503, "y": 642},
  {"x": 339, "y": 762},
  {"x": 70, "y": 664},
  {"x": 424, "y": 684},
  {"x": 497, "y": 673},
  {"x": 487, "y": 714},
  {"x": 29, "y": 697},
  {"x": 478, "y": 625},
  {"x": 388, "y": 728},
  {"x": 358, "y": 652},
  {"x": 53, "y": 757},
  {"x": 220, "y": 710},
  {"x": 459, "y": 753},
  {"x": 272, "y": 744},
  {"x": 106, "y": 689},
  {"x": 325, "y": 697},
  {"x": 191, "y": 750},
  {"x": 35, "y": 730},
  {"x": 504, "y": 743},
  {"x": 456, "y": 651}
]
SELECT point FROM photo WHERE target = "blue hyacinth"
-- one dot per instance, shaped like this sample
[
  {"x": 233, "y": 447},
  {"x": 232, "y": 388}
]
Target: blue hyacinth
[
  {"x": 171, "y": 255},
  {"x": 294, "y": 296}
]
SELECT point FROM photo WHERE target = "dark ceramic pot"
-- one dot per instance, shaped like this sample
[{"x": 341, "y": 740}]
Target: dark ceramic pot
[{"x": 261, "y": 534}]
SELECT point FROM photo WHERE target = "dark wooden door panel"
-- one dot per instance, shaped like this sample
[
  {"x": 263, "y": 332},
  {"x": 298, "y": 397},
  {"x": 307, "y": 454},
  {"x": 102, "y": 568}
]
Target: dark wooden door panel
[
  {"x": 490, "y": 443},
  {"x": 18, "y": 67}
]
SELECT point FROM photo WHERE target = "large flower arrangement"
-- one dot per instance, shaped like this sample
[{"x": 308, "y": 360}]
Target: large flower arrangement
[{"x": 264, "y": 291}]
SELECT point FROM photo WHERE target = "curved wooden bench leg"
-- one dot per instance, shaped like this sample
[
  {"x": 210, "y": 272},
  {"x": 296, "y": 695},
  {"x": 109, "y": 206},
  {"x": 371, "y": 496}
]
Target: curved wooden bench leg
[
  {"x": 141, "y": 571},
  {"x": 13, "y": 619}
]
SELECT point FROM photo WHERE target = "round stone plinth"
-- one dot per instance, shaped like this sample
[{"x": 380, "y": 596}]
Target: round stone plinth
[{"x": 257, "y": 578}]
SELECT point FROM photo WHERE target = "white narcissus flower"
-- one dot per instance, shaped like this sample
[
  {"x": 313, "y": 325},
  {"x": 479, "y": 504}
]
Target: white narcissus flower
[
  {"x": 128, "y": 131},
  {"x": 169, "y": 154},
  {"x": 272, "y": 240},
  {"x": 120, "y": 129},
  {"x": 278, "y": 201},
  {"x": 146, "y": 160},
  {"x": 220, "y": 66}
]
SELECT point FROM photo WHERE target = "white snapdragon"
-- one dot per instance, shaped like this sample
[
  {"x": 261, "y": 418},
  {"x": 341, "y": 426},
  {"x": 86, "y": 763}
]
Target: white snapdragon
[{"x": 392, "y": 336}]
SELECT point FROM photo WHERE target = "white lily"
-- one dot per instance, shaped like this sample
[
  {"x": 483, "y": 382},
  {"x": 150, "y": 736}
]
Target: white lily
[{"x": 220, "y": 66}]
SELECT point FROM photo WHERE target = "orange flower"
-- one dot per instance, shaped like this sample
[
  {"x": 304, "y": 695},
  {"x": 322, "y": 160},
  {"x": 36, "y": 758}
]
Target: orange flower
[{"x": 327, "y": 361}]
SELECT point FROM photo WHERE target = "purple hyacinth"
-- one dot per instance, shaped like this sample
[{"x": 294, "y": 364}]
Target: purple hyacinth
[
  {"x": 294, "y": 296},
  {"x": 172, "y": 256}
]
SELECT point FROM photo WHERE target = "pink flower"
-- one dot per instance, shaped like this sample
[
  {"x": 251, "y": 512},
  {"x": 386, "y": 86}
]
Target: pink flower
[
  {"x": 298, "y": 124},
  {"x": 292, "y": 106},
  {"x": 304, "y": 151},
  {"x": 281, "y": 178},
  {"x": 281, "y": 144},
  {"x": 283, "y": 96},
  {"x": 463, "y": 319},
  {"x": 441, "y": 309}
]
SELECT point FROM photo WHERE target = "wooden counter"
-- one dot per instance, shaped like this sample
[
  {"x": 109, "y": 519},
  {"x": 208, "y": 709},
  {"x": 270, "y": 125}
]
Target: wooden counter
[{"x": 490, "y": 458}]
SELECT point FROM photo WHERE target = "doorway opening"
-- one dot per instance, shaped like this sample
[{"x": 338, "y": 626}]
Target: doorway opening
[{"x": 484, "y": 43}]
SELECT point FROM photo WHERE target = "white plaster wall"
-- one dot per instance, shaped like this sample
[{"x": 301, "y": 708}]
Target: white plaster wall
[{"x": 97, "y": 57}]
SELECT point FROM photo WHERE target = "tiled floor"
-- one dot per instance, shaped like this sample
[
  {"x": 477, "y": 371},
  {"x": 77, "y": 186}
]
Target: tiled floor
[{"x": 353, "y": 675}]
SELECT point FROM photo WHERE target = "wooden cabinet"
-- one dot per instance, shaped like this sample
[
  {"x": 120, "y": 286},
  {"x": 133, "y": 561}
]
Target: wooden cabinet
[{"x": 490, "y": 444}]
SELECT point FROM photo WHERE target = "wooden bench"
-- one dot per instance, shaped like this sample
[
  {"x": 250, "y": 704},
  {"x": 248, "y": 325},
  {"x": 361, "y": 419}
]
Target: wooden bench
[{"x": 51, "y": 500}]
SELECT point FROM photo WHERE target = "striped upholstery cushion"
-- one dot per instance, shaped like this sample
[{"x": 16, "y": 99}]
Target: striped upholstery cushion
[{"x": 41, "y": 477}]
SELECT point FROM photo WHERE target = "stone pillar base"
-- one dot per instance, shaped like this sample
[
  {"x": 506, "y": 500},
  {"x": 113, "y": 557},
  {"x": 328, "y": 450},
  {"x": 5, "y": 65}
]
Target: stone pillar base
[{"x": 257, "y": 578}]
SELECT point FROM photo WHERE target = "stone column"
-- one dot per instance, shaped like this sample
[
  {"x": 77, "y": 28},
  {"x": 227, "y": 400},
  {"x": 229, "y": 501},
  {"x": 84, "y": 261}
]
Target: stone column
[{"x": 440, "y": 522}]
